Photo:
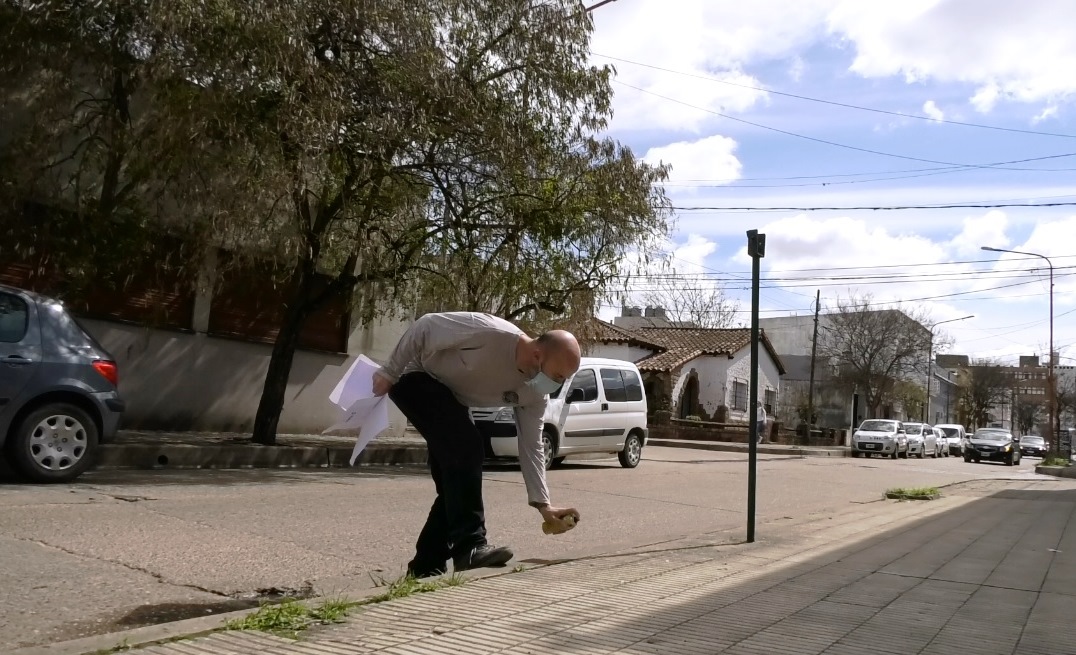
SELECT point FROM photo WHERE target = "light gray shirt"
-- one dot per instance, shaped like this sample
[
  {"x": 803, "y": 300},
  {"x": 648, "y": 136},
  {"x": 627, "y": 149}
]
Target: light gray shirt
[{"x": 474, "y": 355}]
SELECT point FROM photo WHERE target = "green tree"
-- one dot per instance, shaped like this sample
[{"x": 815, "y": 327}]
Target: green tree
[
  {"x": 370, "y": 128},
  {"x": 984, "y": 385},
  {"x": 872, "y": 348},
  {"x": 1027, "y": 416},
  {"x": 97, "y": 143}
]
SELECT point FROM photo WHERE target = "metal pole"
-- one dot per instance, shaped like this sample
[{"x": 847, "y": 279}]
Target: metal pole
[
  {"x": 930, "y": 371},
  {"x": 1055, "y": 427},
  {"x": 814, "y": 353},
  {"x": 930, "y": 362},
  {"x": 756, "y": 248},
  {"x": 1055, "y": 420}
]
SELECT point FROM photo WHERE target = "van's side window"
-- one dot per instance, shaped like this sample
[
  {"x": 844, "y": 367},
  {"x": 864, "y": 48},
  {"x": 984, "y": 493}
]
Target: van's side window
[
  {"x": 14, "y": 317},
  {"x": 588, "y": 382},
  {"x": 614, "y": 385},
  {"x": 633, "y": 385}
]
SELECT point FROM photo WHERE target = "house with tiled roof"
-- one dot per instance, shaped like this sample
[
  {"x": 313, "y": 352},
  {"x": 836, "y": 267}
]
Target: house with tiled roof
[{"x": 693, "y": 372}]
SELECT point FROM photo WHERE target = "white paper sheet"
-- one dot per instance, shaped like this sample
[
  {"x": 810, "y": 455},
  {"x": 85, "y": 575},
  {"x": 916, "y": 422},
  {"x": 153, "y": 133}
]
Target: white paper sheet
[
  {"x": 364, "y": 413},
  {"x": 356, "y": 383}
]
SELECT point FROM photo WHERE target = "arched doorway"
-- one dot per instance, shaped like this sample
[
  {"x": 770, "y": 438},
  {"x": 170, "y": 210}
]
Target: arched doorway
[{"x": 689, "y": 397}]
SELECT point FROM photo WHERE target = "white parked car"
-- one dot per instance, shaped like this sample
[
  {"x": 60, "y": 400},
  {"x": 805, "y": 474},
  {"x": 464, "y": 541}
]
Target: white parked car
[
  {"x": 943, "y": 443},
  {"x": 601, "y": 409},
  {"x": 922, "y": 440},
  {"x": 955, "y": 434},
  {"x": 884, "y": 437}
]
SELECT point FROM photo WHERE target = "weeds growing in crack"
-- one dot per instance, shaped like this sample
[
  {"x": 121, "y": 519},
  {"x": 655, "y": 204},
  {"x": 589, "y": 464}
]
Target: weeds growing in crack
[{"x": 291, "y": 617}]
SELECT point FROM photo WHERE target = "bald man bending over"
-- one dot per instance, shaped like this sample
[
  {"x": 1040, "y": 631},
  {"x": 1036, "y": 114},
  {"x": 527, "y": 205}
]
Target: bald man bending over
[{"x": 444, "y": 364}]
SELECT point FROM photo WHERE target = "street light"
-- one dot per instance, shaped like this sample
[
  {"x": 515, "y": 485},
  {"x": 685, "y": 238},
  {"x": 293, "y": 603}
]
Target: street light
[
  {"x": 1053, "y": 384},
  {"x": 930, "y": 363}
]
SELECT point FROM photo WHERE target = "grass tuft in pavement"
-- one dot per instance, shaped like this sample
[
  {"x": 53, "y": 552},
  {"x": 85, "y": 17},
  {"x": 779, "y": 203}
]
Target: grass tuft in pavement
[
  {"x": 913, "y": 493},
  {"x": 1054, "y": 461},
  {"x": 291, "y": 617}
]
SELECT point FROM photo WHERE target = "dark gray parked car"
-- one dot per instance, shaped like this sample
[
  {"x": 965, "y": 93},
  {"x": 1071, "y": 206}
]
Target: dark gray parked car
[{"x": 58, "y": 389}]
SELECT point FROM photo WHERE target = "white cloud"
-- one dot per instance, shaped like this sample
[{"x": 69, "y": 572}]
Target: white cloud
[
  {"x": 978, "y": 231},
  {"x": 701, "y": 37},
  {"x": 711, "y": 158},
  {"x": 690, "y": 257},
  {"x": 797, "y": 69},
  {"x": 1016, "y": 51},
  {"x": 1049, "y": 112},
  {"x": 933, "y": 111}
]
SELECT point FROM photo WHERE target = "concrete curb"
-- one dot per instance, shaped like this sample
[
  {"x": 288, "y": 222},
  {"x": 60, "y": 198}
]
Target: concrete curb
[
  {"x": 192, "y": 628},
  {"x": 163, "y": 456},
  {"x": 1057, "y": 471},
  {"x": 763, "y": 449}
]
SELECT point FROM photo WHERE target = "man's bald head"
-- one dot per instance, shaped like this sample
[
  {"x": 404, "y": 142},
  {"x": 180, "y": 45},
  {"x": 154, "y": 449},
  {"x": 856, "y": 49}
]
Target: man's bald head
[{"x": 560, "y": 352}]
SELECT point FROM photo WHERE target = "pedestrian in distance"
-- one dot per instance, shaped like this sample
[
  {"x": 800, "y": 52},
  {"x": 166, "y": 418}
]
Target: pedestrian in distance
[
  {"x": 760, "y": 418},
  {"x": 445, "y": 364}
]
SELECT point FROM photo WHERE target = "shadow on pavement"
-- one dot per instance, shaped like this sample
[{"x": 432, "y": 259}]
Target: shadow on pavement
[{"x": 994, "y": 575}]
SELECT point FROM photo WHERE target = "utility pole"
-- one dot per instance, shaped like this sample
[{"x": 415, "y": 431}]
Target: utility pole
[
  {"x": 814, "y": 355},
  {"x": 756, "y": 249}
]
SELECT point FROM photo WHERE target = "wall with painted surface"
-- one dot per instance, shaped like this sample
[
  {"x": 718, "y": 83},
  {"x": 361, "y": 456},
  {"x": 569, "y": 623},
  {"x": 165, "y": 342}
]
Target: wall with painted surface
[{"x": 189, "y": 381}]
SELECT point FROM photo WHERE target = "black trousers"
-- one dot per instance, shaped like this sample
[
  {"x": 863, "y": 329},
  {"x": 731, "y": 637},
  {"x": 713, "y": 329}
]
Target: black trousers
[{"x": 457, "y": 521}]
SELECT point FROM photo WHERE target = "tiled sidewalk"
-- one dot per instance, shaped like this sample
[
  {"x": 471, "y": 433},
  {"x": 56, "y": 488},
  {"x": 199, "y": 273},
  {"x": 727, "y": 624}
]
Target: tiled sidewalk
[{"x": 990, "y": 568}]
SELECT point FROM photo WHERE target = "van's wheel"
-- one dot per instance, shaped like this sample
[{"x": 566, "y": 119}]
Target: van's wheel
[
  {"x": 54, "y": 443},
  {"x": 549, "y": 448},
  {"x": 632, "y": 453}
]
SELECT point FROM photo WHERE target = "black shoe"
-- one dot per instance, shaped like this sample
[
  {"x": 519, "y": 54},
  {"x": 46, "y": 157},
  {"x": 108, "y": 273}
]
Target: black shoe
[
  {"x": 419, "y": 572},
  {"x": 482, "y": 556}
]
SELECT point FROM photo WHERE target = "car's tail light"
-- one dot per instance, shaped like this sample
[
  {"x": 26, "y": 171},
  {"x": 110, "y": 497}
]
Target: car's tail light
[{"x": 108, "y": 371}]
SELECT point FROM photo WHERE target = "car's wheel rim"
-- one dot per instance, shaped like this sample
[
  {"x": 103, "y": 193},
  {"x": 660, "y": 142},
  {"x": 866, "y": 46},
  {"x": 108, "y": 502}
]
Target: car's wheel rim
[
  {"x": 547, "y": 446},
  {"x": 635, "y": 450},
  {"x": 58, "y": 442}
]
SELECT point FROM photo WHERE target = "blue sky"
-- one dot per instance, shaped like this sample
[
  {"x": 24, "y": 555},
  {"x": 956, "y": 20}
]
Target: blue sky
[{"x": 990, "y": 62}]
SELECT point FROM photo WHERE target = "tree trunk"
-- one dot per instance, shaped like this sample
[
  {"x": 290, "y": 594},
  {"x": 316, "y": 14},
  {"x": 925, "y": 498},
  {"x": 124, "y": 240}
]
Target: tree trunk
[{"x": 276, "y": 378}]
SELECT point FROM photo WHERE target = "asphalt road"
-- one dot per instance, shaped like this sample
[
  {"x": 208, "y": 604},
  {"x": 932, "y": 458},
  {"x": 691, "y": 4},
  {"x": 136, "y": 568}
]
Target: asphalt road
[{"x": 124, "y": 549}]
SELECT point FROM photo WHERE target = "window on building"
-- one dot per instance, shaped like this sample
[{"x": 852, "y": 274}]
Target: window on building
[
  {"x": 769, "y": 401},
  {"x": 739, "y": 396}
]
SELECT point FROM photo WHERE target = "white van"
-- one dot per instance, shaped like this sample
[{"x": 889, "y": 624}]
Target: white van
[
  {"x": 955, "y": 434},
  {"x": 601, "y": 409}
]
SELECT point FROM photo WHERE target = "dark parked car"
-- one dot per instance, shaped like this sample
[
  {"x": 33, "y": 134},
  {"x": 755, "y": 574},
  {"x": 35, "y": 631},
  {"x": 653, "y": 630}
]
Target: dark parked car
[
  {"x": 992, "y": 445},
  {"x": 58, "y": 389},
  {"x": 1033, "y": 445}
]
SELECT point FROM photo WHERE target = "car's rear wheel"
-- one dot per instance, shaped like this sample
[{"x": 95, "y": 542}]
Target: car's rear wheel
[
  {"x": 920, "y": 453},
  {"x": 632, "y": 453},
  {"x": 54, "y": 443}
]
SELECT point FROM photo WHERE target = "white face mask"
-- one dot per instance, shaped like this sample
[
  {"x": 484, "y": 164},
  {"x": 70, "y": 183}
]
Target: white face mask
[{"x": 543, "y": 384}]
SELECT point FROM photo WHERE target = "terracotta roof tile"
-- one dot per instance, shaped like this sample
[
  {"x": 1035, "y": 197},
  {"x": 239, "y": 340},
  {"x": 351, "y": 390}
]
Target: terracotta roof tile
[
  {"x": 668, "y": 360},
  {"x": 678, "y": 345}
]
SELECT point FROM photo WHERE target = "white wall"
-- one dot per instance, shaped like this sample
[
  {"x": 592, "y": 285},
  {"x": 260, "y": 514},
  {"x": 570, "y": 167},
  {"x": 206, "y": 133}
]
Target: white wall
[
  {"x": 740, "y": 369},
  {"x": 621, "y": 351},
  {"x": 187, "y": 381},
  {"x": 712, "y": 374}
]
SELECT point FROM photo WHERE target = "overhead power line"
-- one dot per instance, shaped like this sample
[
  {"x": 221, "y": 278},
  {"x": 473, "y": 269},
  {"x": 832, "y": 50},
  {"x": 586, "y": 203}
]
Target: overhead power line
[
  {"x": 999, "y": 205},
  {"x": 956, "y": 296},
  {"x": 835, "y": 103},
  {"x": 881, "y": 266},
  {"x": 825, "y": 141}
]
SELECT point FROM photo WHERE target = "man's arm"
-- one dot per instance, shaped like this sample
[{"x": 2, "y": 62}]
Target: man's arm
[
  {"x": 428, "y": 334},
  {"x": 529, "y": 427}
]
